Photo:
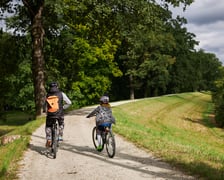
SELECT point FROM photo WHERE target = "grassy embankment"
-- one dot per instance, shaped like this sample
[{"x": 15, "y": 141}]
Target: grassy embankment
[
  {"x": 177, "y": 128},
  {"x": 16, "y": 123}
]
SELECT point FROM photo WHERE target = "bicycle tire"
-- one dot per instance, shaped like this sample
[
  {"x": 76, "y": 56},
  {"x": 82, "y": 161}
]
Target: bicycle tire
[
  {"x": 95, "y": 141},
  {"x": 110, "y": 144},
  {"x": 54, "y": 141}
]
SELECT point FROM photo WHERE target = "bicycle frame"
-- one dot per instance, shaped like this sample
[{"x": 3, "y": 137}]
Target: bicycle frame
[{"x": 104, "y": 133}]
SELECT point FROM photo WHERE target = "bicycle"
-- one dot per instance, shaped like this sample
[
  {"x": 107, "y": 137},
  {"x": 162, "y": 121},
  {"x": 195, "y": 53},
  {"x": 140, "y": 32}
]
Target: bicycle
[
  {"x": 107, "y": 140},
  {"x": 55, "y": 141}
]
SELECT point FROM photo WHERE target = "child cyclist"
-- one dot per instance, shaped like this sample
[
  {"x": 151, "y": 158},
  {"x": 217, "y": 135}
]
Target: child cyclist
[{"x": 104, "y": 117}]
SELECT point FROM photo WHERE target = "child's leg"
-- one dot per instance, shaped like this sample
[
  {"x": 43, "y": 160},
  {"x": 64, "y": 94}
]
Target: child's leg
[{"x": 99, "y": 138}]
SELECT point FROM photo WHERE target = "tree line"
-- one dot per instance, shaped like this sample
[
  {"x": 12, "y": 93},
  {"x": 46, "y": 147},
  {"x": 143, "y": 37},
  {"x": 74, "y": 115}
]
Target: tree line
[{"x": 127, "y": 48}]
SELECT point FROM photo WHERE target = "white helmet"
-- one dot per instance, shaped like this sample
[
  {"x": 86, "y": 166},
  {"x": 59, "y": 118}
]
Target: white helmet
[{"x": 104, "y": 99}]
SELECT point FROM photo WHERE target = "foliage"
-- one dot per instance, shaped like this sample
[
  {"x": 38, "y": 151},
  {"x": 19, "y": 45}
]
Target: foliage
[
  {"x": 218, "y": 98},
  {"x": 149, "y": 46},
  {"x": 91, "y": 47},
  {"x": 7, "y": 64},
  {"x": 87, "y": 51},
  {"x": 16, "y": 78}
]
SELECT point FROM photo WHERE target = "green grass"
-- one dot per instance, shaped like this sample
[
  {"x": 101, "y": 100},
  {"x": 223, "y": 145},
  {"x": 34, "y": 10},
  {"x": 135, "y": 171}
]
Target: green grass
[
  {"x": 16, "y": 123},
  {"x": 177, "y": 128}
]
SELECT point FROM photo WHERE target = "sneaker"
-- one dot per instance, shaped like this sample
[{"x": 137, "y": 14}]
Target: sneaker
[
  {"x": 99, "y": 148},
  {"x": 48, "y": 144},
  {"x": 60, "y": 138}
]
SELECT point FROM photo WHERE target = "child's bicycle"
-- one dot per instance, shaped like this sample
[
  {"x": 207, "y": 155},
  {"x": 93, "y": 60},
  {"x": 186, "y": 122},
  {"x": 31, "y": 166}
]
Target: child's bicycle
[
  {"x": 107, "y": 140},
  {"x": 55, "y": 141}
]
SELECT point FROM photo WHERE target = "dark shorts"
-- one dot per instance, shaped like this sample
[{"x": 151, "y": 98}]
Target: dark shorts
[
  {"x": 103, "y": 125},
  {"x": 50, "y": 121}
]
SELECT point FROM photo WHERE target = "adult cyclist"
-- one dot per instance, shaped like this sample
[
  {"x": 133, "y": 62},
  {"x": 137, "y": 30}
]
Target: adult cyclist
[{"x": 64, "y": 103}]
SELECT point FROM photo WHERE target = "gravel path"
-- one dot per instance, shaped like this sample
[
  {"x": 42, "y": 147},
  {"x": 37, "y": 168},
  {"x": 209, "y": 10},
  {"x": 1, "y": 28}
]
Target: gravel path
[{"x": 77, "y": 159}]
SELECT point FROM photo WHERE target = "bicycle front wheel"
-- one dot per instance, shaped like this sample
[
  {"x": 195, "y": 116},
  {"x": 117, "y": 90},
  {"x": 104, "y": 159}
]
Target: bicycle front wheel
[
  {"x": 110, "y": 144},
  {"x": 95, "y": 140}
]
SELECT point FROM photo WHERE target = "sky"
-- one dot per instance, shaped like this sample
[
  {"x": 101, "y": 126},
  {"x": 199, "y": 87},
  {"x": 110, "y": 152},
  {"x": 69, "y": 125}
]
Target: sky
[{"x": 206, "y": 20}]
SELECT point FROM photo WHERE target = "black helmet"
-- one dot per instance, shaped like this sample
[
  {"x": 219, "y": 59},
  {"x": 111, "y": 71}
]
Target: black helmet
[
  {"x": 104, "y": 99},
  {"x": 53, "y": 84}
]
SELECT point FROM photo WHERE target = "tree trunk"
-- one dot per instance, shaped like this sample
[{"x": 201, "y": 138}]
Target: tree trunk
[
  {"x": 132, "y": 91},
  {"x": 37, "y": 34}
]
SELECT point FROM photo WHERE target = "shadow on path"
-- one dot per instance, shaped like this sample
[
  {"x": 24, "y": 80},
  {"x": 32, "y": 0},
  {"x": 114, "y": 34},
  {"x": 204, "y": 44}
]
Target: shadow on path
[{"x": 142, "y": 164}]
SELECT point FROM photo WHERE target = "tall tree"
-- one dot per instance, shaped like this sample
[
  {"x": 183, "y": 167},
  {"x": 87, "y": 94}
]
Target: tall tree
[
  {"x": 35, "y": 9},
  {"x": 30, "y": 13},
  {"x": 93, "y": 40},
  {"x": 146, "y": 44},
  {"x": 181, "y": 72}
]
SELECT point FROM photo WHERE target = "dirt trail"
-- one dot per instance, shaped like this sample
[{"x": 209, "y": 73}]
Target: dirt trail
[{"x": 77, "y": 159}]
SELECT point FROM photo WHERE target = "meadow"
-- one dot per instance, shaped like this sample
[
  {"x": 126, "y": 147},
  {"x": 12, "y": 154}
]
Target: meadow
[{"x": 179, "y": 129}]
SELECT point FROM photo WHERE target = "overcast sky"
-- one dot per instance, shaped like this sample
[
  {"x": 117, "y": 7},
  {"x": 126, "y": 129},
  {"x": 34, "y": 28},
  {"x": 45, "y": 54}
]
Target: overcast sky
[{"x": 206, "y": 20}]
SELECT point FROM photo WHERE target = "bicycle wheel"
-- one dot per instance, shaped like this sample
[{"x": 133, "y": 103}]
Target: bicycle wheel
[
  {"x": 54, "y": 141},
  {"x": 95, "y": 140},
  {"x": 110, "y": 144}
]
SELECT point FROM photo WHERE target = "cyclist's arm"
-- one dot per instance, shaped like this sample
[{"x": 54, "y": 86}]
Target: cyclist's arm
[
  {"x": 66, "y": 100},
  {"x": 93, "y": 113}
]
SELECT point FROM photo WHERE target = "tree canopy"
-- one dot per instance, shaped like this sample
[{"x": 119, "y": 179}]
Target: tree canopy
[{"x": 127, "y": 48}]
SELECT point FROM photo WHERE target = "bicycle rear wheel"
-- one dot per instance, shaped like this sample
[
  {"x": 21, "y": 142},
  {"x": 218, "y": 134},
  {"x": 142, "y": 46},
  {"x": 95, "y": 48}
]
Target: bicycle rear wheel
[
  {"x": 95, "y": 140},
  {"x": 54, "y": 141},
  {"x": 110, "y": 144}
]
